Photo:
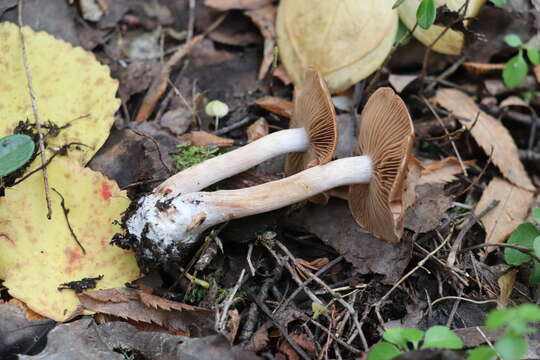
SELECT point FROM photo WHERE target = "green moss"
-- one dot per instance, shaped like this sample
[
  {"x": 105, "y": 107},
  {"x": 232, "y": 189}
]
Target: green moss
[{"x": 189, "y": 155}]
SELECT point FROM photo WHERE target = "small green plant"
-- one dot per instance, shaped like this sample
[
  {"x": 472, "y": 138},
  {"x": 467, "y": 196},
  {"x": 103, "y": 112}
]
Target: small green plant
[
  {"x": 515, "y": 321},
  {"x": 189, "y": 155},
  {"x": 516, "y": 69},
  {"x": 499, "y": 3},
  {"x": 526, "y": 235},
  {"x": 511, "y": 346},
  {"x": 425, "y": 14},
  {"x": 15, "y": 151},
  {"x": 399, "y": 340}
]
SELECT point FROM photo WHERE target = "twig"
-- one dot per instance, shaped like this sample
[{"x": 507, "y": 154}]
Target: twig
[
  {"x": 523, "y": 249},
  {"x": 231, "y": 127},
  {"x": 248, "y": 258},
  {"x": 473, "y": 219},
  {"x": 47, "y": 162},
  {"x": 319, "y": 272},
  {"x": 66, "y": 212},
  {"x": 146, "y": 136},
  {"x": 337, "y": 339},
  {"x": 191, "y": 21},
  {"x": 463, "y": 299},
  {"x": 335, "y": 295},
  {"x": 463, "y": 11},
  {"x": 446, "y": 73},
  {"x": 420, "y": 264},
  {"x": 280, "y": 326},
  {"x": 428, "y": 104},
  {"x": 222, "y": 316},
  {"x": 159, "y": 84},
  {"x": 34, "y": 110}
]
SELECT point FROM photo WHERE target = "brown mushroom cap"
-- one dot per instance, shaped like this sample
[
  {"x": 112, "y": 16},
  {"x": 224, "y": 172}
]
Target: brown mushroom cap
[
  {"x": 386, "y": 136},
  {"x": 313, "y": 110}
]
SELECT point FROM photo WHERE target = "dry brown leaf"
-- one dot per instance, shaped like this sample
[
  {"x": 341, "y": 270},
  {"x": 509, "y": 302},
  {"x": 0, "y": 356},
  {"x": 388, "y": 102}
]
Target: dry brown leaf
[
  {"x": 511, "y": 211},
  {"x": 285, "y": 348},
  {"x": 139, "y": 306},
  {"x": 305, "y": 342},
  {"x": 223, "y": 5},
  {"x": 257, "y": 130},
  {"x": 264, "y": 18},
  {"x": 233, "y": 324},
  {"x": 276, "y": 105},
  {"x": 259, "y": 340},
  {"x": 442, "y": 171},
  {"x": 400, "y": 82},
  {"x": 506, "y": 284},
  {"x": 282, "y": 74},
  {"x": 513, "y": 101},
  {"x": 482, "y": 68},
  {"x": 202, "y": 138},
  {"x": 489, "y": 133}
]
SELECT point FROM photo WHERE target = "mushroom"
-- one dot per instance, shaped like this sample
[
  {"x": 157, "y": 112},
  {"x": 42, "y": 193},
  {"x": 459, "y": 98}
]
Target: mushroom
[
  {"x": 313, "y": 130},
  {"x": 451, "y": 42},
  {"x": 346, "y": 40},
  {"x": 385, "y": 143}
]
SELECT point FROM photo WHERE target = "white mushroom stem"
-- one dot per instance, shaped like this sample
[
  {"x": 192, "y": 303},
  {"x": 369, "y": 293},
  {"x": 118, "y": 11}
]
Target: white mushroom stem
[
  {"x": 181, "y": 219},
  {"x": 234, "y": 162}
]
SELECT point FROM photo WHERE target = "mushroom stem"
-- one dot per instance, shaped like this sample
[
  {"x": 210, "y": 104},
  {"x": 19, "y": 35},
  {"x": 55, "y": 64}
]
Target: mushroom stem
[
  {"x": 181, "y": 219},
  {"x": 234, "y": 162}
]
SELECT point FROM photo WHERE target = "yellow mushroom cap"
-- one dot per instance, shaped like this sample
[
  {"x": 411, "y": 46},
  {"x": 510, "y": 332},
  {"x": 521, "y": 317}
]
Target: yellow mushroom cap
[
  {"x": 346, "y": 40},
  {"x": 451, "y": 43},
  {"x": 386, "y": 136}
]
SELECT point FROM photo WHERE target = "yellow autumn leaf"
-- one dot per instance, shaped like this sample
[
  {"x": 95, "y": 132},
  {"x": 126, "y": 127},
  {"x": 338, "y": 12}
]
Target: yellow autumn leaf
[
  {"x": 37, "y": 255},
  {"x": 71, "y": 87}
]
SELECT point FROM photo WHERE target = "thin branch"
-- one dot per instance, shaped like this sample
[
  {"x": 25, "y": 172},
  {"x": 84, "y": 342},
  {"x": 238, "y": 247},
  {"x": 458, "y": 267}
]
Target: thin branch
[
  {"x": 66, "y": 212},
  {"x": 34, "y": 110}
]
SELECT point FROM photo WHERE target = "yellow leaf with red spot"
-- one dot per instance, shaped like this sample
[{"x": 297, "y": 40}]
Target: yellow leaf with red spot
[{"x": 37, "y": 254}]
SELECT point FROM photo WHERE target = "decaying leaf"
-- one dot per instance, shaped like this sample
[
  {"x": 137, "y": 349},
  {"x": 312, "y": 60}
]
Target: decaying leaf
[
  {"x": 276, "y": 105},
  {"x": 72, "y": 88},
  {"x": 511, "y": 211},
  {"x": 513, "y": 101},
  {"x": 400, "y": 82},
  {"x": 202, "y": 138},
  {"x": 489, "y": 133},
  {"x": 264, "y": 18},
  {"x": 442, "y": 171},
  {"x": 506, "y": 284},
  {"x": 257, "y": 130},
  {"x": 37, "y": 255},
  {"x": 482, "y": 68},
  {"x": 426, "y": 213},
  {"x": 139, "y": 306}
]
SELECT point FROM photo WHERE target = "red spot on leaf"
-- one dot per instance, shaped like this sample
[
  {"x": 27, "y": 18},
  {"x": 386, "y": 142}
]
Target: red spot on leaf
[
  {"x": 105, "y": 190},
  {"x": 73, "y": 256}
]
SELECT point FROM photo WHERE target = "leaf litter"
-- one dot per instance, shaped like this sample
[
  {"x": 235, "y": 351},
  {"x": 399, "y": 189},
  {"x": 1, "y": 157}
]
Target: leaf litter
[{"x": 327, "y": 248}]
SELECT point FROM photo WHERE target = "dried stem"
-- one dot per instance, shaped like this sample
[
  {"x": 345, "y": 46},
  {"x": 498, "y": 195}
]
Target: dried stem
[{"x": 34, "y": 110}]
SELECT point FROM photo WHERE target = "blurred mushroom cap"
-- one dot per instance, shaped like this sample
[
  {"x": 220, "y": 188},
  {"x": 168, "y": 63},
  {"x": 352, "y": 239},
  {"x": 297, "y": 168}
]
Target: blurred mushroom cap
[{"x": 345, "y": 40}]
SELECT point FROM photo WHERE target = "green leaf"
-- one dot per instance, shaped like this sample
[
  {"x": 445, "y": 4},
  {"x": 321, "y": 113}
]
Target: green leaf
[
  {"x": 536, "y": 215},
  {"x": 512, "y": 40},
  {"x": 534, "y": 276},
  {"x": 534, "y": 56},
  {"x": 414, "y": 336},
  {"x": 15, "y": 151},
  {"x": 496, "y": 319},
  {"x": 397, "y": 3},
  {"x": 395, "y": 336},
  {"x": 511, "y": 347},
  {"x": 515, "y": 71},
  {"x": 482, "y": 352},
  {"x": 499, "y": 3},
  {"x": 528, "y": 312},
  {"x": 383, "y": 351},
  {"x": 524, "y": 235},
  {"x": 426, "y": 13},
  {"x": 441, "y": 337},
  {"x": 402, "y": 32}
]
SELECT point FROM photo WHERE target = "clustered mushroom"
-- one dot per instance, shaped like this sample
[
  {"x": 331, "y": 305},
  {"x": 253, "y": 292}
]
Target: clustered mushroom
[{"x": 175, "y": 218}]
